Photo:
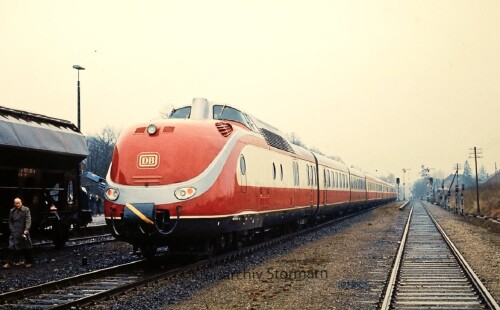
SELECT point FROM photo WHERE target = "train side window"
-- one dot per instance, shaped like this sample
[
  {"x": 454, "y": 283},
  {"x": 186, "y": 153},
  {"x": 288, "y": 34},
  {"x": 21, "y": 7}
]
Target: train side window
[
  {"x": 281, "y": 170},
  {"x": 295, "y": 174},
  {"x": 308, "y": 176},
  {"x": 274, "y": 171},
  {"x": 298, "y": 173},
  {"x": 243, "y": 165}
]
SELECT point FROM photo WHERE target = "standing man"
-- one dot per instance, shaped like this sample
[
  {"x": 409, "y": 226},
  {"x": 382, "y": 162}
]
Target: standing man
[
  {"x": 19, "y": 226},
  {"x": 98, "y": 205},
  {"x": 92, "y": 204}
]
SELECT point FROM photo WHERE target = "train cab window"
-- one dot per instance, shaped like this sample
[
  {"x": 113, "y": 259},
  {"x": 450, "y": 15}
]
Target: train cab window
[
  {"x": 223, "y": 112},
  {"x": 243, "y": 165},
  {"x": 184, "y": 112}
]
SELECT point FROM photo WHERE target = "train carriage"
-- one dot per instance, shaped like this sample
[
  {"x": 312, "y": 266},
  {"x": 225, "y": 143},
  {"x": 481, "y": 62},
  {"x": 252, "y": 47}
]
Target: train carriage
[
  {"x": 39, "y": 162},
  {"x": 211, "y": 173}
]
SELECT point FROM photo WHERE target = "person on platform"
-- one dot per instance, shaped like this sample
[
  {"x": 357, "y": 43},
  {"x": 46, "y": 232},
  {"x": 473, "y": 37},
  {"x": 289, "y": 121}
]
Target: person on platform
[
  {"x": 98, "y": 205},
  {"x": 91, "y": 204},
  {"x": 19, "y": 239}
]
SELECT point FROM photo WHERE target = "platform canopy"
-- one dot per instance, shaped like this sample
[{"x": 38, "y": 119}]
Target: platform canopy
[{"x": 36, "y": 134}]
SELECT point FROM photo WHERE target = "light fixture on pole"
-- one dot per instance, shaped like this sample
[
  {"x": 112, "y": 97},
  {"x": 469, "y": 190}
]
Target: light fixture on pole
[{"x": 78, "y": 68}]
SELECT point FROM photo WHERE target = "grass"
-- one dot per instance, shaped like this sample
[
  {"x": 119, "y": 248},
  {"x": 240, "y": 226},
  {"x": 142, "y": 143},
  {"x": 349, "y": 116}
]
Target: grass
[{"x": 489, "y": 200}]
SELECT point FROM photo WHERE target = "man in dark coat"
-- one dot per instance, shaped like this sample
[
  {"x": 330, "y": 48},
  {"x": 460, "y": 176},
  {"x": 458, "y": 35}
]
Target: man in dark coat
[
  {"x": 98, "y": 205},
  {"x": 19, "y": 226}
]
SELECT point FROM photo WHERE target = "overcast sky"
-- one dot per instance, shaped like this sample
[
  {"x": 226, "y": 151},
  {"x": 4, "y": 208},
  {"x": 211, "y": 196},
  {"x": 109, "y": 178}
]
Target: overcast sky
[{"x": 386, "y": 85}]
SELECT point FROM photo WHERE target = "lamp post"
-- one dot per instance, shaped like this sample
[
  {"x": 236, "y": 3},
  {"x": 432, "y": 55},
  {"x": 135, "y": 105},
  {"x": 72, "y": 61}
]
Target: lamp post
[{"x": 78, "y": 68}]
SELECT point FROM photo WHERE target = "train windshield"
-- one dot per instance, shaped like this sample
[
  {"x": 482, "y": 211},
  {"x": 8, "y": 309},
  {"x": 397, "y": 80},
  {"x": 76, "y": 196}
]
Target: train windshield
[
  {"x": 181, "y": 113},
  {"x": 224, "y": 112}
]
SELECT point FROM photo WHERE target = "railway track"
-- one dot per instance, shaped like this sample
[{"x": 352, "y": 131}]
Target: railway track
[
  {"x": 87, "y": 235},
  {"x": 430, "y": 273},
  {"x": 65, "y": 293},
  {"x": 83, "y": 290}
]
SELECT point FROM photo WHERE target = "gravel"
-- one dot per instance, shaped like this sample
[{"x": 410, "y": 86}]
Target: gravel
[
  {"x": 335, "y": 268},
  {"x": 478, "y": 240},
  {"x": 340, "y": 267},
  {"x": 52, "y": 264}
]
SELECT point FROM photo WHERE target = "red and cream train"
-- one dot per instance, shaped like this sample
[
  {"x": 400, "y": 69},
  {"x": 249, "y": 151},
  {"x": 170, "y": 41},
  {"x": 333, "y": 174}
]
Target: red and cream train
[{"x": 211, "y": 175}]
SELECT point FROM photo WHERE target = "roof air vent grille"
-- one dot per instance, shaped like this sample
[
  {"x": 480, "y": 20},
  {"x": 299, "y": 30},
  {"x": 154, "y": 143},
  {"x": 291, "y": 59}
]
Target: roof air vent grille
[
  {"x": 276, "y": 140},
  {"x": 225, "y": 129}
]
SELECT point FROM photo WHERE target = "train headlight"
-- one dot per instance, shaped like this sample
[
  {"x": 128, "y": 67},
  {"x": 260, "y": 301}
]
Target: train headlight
[
  {"x": 112, "y": 194},
  {"x": 151, "y": 129},
  {"x": 184, "y": 193}
]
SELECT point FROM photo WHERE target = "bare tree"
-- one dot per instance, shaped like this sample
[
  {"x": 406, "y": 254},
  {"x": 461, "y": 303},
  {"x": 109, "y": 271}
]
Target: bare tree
[
  {"x": 295, "y": 139},
  {"x": 101, "y": 148},
  {"x": 389, "y": 178}
]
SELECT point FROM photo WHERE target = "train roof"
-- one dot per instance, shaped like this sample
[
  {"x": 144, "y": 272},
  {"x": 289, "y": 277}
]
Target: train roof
[
  {"x": 30, "y": 131},
  {"x": 201, "y": 108}
]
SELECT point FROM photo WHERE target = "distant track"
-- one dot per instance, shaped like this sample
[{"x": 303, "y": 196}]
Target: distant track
[{"x": 430, "y": 273}]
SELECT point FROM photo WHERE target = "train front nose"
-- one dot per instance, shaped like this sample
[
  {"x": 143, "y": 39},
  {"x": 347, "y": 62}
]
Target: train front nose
[
  {"x": 153, "y": 174},
  {"x": 164, "y": 153}
]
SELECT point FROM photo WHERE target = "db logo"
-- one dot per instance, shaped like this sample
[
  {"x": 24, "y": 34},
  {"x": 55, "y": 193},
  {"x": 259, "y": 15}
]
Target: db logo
[{"x": 148, "y": 160}]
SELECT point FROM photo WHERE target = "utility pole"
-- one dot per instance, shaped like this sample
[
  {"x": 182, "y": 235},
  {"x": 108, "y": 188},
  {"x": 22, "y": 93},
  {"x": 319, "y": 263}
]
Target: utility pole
[{"x": 476, "y": 153}]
